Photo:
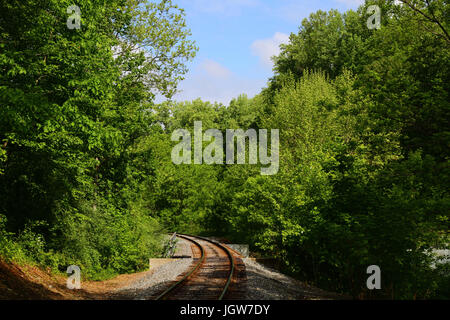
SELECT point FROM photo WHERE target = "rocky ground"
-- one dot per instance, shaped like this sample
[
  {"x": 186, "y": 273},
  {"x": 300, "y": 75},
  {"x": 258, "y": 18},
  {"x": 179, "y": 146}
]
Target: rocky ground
[{"x": 262, "y": 283}]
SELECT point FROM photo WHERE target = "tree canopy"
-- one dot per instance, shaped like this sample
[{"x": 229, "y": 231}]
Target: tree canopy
[{"x": 86, "y": 175}]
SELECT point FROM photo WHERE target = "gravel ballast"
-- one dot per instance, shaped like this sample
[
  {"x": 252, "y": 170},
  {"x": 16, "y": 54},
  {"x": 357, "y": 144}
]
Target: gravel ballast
[
  {"x": 264, "y": 283},
  {"x": 155, "y": 281}
]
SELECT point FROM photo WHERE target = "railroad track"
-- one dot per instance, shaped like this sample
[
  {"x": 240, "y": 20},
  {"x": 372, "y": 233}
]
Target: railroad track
[{"x": 214, "y": 271}]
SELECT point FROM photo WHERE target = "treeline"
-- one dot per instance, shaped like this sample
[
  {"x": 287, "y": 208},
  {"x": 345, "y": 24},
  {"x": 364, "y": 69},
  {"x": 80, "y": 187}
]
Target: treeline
[
  {"x": 86, "y": 171},
  {"x": 364, "y": 164}
]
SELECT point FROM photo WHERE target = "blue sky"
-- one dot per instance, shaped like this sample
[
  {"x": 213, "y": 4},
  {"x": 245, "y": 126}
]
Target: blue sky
[{"x": 236, "y": 39}]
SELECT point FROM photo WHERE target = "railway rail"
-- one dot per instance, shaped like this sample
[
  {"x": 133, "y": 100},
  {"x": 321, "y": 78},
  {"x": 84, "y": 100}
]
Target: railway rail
[{"x": 210, "y": 277}]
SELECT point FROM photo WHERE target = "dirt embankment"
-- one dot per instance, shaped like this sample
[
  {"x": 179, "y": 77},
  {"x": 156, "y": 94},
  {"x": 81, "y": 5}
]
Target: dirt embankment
[{"x": 32, "y": 283}]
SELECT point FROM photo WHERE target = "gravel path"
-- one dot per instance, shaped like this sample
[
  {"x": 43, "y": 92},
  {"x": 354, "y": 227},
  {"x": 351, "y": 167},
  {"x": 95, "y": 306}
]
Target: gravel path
[
  {"x": 155, "y": 281},
  {"x": 264, "y": 283}
]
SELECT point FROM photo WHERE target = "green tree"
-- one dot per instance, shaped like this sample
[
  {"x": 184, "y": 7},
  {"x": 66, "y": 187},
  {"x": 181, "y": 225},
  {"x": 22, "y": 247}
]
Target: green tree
[{"x": 73, "y": 105}]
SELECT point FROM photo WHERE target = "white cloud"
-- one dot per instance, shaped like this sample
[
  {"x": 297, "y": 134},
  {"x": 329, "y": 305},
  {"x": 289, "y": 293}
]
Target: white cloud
[
  {"x": 213, "y": 82},
  {"x": 215, "y": 69},
  {"x": 351, "y": 3},
  {"x": 265, "y": 49}
]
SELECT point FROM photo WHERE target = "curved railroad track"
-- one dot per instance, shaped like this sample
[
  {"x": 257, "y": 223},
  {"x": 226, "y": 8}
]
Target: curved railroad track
[{"x": 214, "y": 271}]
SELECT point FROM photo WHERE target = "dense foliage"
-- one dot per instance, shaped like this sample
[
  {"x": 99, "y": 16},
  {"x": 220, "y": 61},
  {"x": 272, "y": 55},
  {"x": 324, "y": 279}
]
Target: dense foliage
[
  {"x": 364, "y": 176},
  {"x": 86, "y": 174},
  {"x": 73, "y": 112}
]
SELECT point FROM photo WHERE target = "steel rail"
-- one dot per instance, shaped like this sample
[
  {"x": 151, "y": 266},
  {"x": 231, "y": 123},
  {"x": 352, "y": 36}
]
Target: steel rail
[
  {"x": 230, "y": 256},
  {"x": 197, "y": 266}
]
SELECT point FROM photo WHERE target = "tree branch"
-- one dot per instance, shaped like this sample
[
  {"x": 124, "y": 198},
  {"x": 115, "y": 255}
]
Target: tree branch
[{"x": 432, "y": 19}]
